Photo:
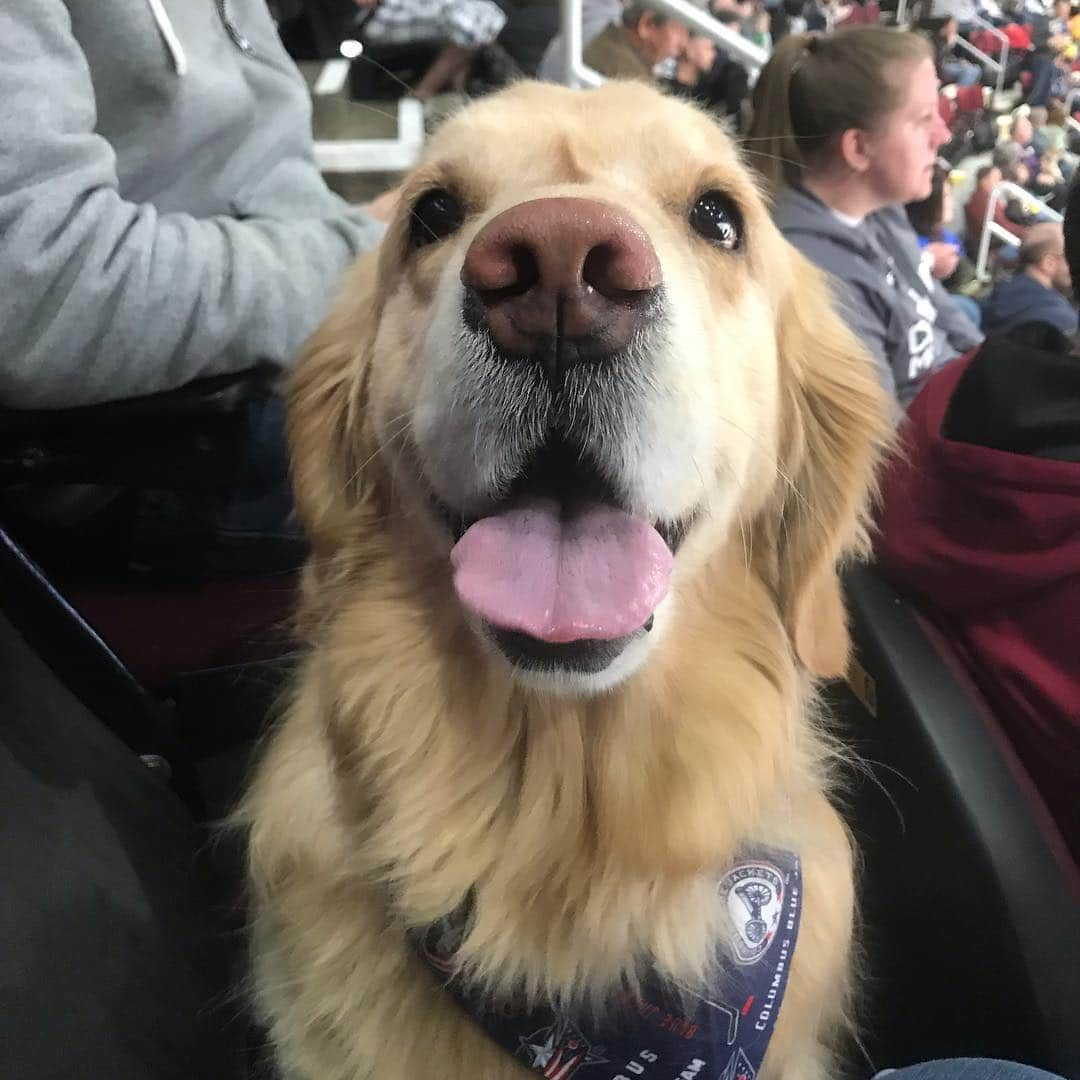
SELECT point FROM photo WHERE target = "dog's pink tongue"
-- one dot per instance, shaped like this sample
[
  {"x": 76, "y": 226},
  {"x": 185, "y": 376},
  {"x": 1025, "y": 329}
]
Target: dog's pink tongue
[{"x": 598, "y": 574}]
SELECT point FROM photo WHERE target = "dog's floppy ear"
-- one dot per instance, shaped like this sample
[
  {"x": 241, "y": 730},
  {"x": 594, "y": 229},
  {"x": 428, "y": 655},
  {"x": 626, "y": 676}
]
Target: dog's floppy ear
[
  {"x": 835, "y": 424},
  {"x": 325, "y": 424}
]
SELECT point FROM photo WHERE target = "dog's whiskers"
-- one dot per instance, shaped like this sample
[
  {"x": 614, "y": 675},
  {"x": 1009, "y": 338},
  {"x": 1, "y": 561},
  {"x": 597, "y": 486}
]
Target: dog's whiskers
[
  {"x": 747, "y": 541},
  {"x": 772, "y": 157},
  {"x": 386, "y": 71},
  {"x": 746, "y": 535},
  {"x": 866, "y": 766},
  {"x": 781, "y": 472},
  {"x": 413, "y": 215},
  {"x": 771, "y": 138},
  {"x": 405, "y": 426}
]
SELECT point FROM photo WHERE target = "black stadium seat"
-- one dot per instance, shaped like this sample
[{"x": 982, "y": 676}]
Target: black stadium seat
[{"x": 971, "y": 905}]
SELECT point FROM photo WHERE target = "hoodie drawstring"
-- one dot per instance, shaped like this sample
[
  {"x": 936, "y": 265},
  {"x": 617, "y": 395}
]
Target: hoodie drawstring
[{"x": 168, "y": 32}]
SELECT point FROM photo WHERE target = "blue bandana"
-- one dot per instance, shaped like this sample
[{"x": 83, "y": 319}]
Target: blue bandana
[{"x": 664, "y": 1032}]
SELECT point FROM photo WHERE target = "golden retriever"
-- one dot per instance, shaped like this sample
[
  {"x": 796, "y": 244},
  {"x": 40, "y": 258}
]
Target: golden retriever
[{"x": 578, "y": 451}]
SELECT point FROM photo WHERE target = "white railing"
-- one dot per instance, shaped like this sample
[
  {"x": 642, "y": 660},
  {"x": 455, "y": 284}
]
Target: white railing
[
  {"x": 752, "y": 56},
  {"x": 378, "y": 155},
  {"x": 991, "y": 228},
  {"x": 577, "y": 73},
  {"x": 332, "y": 77},
  {"x": 986, "y": 59}
]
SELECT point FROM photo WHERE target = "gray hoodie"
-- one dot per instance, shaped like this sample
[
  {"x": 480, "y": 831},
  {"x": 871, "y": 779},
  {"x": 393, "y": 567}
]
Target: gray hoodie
[
  {"x": 161, "y": 215},
  {"x": 884, "y": 291}
]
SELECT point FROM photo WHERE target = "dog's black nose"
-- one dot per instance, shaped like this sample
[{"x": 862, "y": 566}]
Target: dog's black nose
[{"x": 561, "y": 281}]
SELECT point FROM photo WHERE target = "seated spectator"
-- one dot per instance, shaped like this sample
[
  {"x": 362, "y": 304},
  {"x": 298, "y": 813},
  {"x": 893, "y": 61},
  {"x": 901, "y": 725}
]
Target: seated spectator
[
  {"x": 1060, "y": 14},
  {"x": 155, "y": 239},
  {"x": 1014, "y": 169},
  {"x": 1049, "y": 38},
  {"x": 1038, "y": 290},
  {"x": 943, "y": 250},
  {"x": 530, "y": 27},
  {"x": 1048, "y": 183},
  {"x": 986, "y": 179},
  {"x": 1022, "y": 135},
  {"x": 1052, "y": 133},
  {"x": 758, "y": 30},
  {"x": 706, "y": 74},
  {"x": 787, "y": 18},
  {"x": 752, "y": 20},
  {"x": 743, "y": 10},
  {"x": 823, "y": 15},
  {"x": 633, "y": 48},
  {"x": 596, "y": 15},
  {"x": 950, "y": 68},
  {"x": 1039, "y": 116},
  {"x": 461, "y": 27},
  {"x": 162, "y": 213},
  {"x": 1020, "y": 165},
  {"x": 962, "y": 12},
  {"x": 692, "y": 65},
  {"x": 981, "y": 525},
  {"x": 845, "y": 132}
]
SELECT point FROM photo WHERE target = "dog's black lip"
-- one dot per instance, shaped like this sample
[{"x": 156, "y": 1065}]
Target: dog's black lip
[{"x": 587, "y": 656}]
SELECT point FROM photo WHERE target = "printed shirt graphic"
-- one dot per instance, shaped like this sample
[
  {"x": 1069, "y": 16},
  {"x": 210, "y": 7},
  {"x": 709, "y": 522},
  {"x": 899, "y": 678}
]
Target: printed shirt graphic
[
  {"x": 666, "y": 1032},
  {"x": 921, "y": 343}
]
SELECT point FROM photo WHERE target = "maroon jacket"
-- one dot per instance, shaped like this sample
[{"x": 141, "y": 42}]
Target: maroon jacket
[{"x": 981, "y": 526}]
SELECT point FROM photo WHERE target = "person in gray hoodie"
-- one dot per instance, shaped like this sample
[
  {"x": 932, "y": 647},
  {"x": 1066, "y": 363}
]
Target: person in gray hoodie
[
  {"x": 846, "y": 130},
  {"x": 161, "y": 214}
]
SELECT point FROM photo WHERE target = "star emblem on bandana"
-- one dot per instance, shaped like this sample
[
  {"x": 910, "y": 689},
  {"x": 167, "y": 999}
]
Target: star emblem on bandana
[
  {"x": 738, "y": 1068},
  {"x": 558, "y": 1051}
]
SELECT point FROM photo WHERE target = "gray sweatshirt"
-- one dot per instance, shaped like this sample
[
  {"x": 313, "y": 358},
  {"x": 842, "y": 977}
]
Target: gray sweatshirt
[
  {"x": 161, "y": 215},
  {"x": 883, "y": 290}
]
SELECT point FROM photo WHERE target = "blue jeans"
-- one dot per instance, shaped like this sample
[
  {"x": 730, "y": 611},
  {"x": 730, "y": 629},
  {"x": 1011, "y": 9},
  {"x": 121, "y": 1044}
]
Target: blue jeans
[
  {"x": 960, "y": 72},
  {"x": 968, "y": 1069}
]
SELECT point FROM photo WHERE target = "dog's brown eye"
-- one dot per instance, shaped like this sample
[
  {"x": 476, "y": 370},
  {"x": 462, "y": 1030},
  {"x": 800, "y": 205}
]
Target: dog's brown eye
[
  {"x": 717, "y": 218},
  {"x": 435, "y": 216}
]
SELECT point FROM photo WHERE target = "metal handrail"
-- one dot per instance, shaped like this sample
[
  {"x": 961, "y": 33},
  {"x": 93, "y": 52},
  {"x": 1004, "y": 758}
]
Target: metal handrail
[
  {"x": 984, "y": 24},
  {"x": 1003, "y": 62},
  {"x": 992, "y": 228},
  {"x": 377, "y": 155},
  {"x": 579, "y": 74},
  {"x": 965, "y": 46}
]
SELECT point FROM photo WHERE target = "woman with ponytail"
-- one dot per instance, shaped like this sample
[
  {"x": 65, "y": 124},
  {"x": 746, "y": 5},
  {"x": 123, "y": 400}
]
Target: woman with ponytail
[{"x": 846, "y": 131}]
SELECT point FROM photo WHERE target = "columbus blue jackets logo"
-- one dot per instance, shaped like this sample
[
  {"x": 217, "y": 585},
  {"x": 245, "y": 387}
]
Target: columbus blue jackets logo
[
  {"x": 558, "y": 1051},
  {"x": 754, "y": 894}
]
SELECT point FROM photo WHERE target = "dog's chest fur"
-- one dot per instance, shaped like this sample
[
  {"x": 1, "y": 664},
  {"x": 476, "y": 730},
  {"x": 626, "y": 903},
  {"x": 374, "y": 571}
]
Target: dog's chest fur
[{"x": 586, "y": 836}]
